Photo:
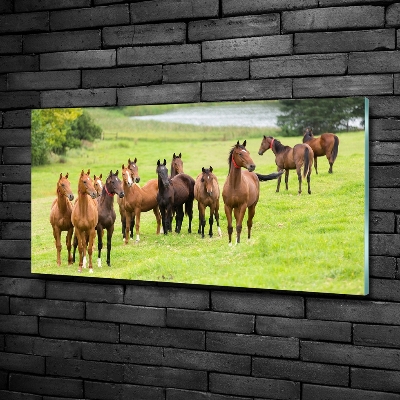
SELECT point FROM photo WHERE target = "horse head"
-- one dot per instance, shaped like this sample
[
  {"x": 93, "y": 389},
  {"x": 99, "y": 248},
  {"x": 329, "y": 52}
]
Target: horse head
[
  {"x": 86, "y": 185},
  {"x": 177, "y": 164},
  {"x": 134, "y": 170},
  {"x": 98, "y": 184},
  {"x": 162, "y": 173},
  {"x": 64, "y": 187},
  {"x": 114, "y": 185},
  {"x": 127, "y": 176},
  {"x": 307, "y": 135},
  {"x": 240, "y": 157},
  {"x": 208, "y": 180},
  {"x": 266, "y": 144}
]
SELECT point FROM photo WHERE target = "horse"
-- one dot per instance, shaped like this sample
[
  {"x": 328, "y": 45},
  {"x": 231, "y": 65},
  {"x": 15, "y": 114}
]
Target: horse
[
  {"x": 326, "y": 144},
  {"x": 173, "y": 193},
  {"x": 137, "y": 200},
  {"x": 60, "y": 216},
  {"x": 206, "y": 192},
  {"x": 241, "y": 190},
  {"x": 98, "y": 184},
  {"x": 132, "y": 165},
  {"x": 176, "y": 165},
  {"x": 299, "y": 157},
  {"x": 84, "y": 218},
  {"x": 106, "y": 213}
]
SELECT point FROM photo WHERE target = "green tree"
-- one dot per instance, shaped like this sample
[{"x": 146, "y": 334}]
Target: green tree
[
  {"x": 82, "y": 128},
  {"x": 323, "y": 115}
]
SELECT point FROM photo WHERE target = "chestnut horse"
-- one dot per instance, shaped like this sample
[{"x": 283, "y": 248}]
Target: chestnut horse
[
  {"x": 206, "y": 192},
  {"x": 241, "y": 190},
  {"x": 106, "y": 212},
  {"x": 98, "y": 184},
  {"x": 176, "y": 165},
  {"x": 173, "y": 193},
  {"x": 84, "y": 218},
  {"x": 137, "y": 200},
  {"x": 60, "y": 216},
  {"x": 325, "y": 145},
  {"x": 300, "y": 157}
]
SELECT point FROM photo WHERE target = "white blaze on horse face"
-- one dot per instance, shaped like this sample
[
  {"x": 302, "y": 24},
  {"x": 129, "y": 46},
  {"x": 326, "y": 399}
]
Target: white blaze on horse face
[
  {"x": 130, "y": 182},
  {"x": 99, "y": 183}
]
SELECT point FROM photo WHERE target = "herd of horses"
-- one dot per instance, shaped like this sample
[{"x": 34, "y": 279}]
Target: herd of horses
[{"x": 171, "y": 195}]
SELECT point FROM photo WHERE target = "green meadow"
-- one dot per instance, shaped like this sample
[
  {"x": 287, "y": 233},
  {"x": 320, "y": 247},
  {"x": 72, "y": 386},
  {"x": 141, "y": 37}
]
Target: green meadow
[{"x": 304, "y": 243}]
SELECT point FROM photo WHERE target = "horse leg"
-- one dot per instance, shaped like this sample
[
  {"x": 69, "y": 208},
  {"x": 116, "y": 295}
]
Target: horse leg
[
  {"x": 179, "y": 218},
  {"x": 57, "y": 238},
  {"x": 279, "y": 182},
  {"x": 69, "y": 244},
  {"x": 110, "y": 232},
  {"x": 299, "y": 178},
  {"x": 189, "y": 212},
  {"x": 75, "y": 245},
  {"x": 315, "y": 164},
  {"x": 78, "y": 241},
  {"x": 216, "y": 213},
  {"x": 127, "y": 226},
  {"x": 228, "y": 213},
  {"x": 137, "y": 224},
  {"x": 287, "y": 179},
  {"x": 99, "y": 244},
  {"x": 239, "y": 215},
  {"x": 309, "y": 181},
  {"x": 123, "y": 223},
  {"x": 156, "y": 212},
  {"x": 250, "y": 215},
  {"x": 92, "y": 234},
  {"x": 211, "y": 221},
  {"x": 202, "y": 219},
  {"x": 132, "y": 225}
]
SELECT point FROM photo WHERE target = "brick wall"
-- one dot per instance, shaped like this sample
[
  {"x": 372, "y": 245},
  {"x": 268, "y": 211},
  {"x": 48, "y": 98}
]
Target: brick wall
[{"x": 97, "y": 339}]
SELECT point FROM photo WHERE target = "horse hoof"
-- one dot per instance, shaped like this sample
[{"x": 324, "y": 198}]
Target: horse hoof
[
  {"x": 91, "y": 270},
  {"x": 219, "y": 231}
]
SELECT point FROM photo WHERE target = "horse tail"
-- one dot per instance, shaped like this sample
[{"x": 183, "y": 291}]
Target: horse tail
[
  {"x": 307, "y": 162},
  {"x": 189, "y": 203},
  {"x": 335, "y": 149},
  {"x": 274, "y": 175}
]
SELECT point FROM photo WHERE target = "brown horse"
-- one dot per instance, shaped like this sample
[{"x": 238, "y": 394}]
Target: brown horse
[
  {"x": 241, "y": 190},
  {"x": 84, "y": 218},
  {"x": 98, "y": 184},
  {"x": 327, "y": 144},
  {"x": 176, "y": 165},
  {"x": 206, "y": 192},
  {"x": 300, "y": 157},
  {"x": 106, "y": 212},
  {"x": 173, "y": 193},
  {"x": 137, "y": 200},
  {"x": 60, "y": 216}
]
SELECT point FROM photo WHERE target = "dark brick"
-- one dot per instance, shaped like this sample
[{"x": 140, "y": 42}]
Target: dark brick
[
  {"x": 384, "y": 289},
  {"x": 46, "y": 385},
  {"x": 147, "y": 55},
  {"x": 258, "y": 303},
  {"x": 353, "y": 311},
  {"x": 393, "y": 15},
  {"x": 397, "y": 83},
  {"x": 22, "y": 287},
  {"x": 13, "y": 100},
  {"x": 6, "y": 6},
  {"x": 253, "y": 345},
  {"x": 85, "y": 292},
  {"x": 133, "y": 35},
  {"x": 122, "y": 353},
  {"x": 10, "y": 174},
  {"x": 179, "y": 394},
  {"x": 16, "y": 324},
  {"x": 304, "y": 328},
  {"x": 227, "y": 28},
  {"x": 4, "y": 381},
  {"x": 79, "y": 98},
  {"x": 385, "y": 176},
  {"x": 159, "y": 94},
  {"x": 121, "y": 77},
  {"x": 346, "y": 354},
  {"x": 62, "y": 41},
  {"x": 227, "y": 322},
  {"x": 7, "y": 395},
  {"x": 11, "y": 44},
  {"x": 384, "y": 129},
  {"x": 238, "y": 7},
  {"x": 257, "y": 387},
  {"x": 376, "y": 62},
  {"x": 20, "y": 193},
  {"x": 15, "y": 137},
  {"x": 301, "y": 371},
  {"x": 206, "y": 71},
  {"x": 384, "y": 245},
  {"x": 44, "y": 80},
  {"x": 18, "y": 63},
  {"x": 92, "y": 17},
  {"x": 207, "y": 361},
  {"x": 17, "y": 155},
  {"x": 78, "y": 330},
  {"x": 247, "y": 90},
  {"x": 39, "y": 5},
  {"x": 356, "y": 85},
  {"x": 166, "y": 337},
  {"x": 24, "y": 22},
  {"x": 386, "y": 381},
  {"x": 4, "y": 305},
  {"x": 339, "y": 42},
  {"x": 247, "y": 47},
  {"x": 16, "y": 268},
  {"x": 106, "y": 391},
  {"x": 16, "y": 212},
  {"x": 334, "y": 18},
  {"x": 376, "y": 335},
  {"x": 47, "y": 308},
  {"x": 17, "y": 119},
  {"x": 166, "y": 377},
  {"x": 384, "y": 152},
  {"x": 382, "y": 106},
  {"x": 382, "y": 267},
  {"x": 312, "y": 392},
  {"x": 275, "y": 67},
  {"x": 161, "y": 10},
  {"x": 381, "y": 222},
  {"x": 22, "y": 363},
  {"x": 167, "y": 297}
]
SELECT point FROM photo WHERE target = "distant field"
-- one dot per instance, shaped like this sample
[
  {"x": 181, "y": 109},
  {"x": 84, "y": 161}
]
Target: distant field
[{"x": 305, "y": 243}]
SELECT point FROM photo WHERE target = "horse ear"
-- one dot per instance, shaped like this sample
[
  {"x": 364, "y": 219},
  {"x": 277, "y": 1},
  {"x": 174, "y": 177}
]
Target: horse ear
[
  {"x": 66, "y": 176},
  {"x": 88, "y": 171},
  {"x": 110, "y": 173},
  {"x": 265, "y": 137},
  {"x": 129, "y": 160},
  {"x": 174, "y": 156},
  {"x": 82, "y": 172},
  {"x": 135, "y": 160},
  {"x": 244, "y": 144},
  {"x": 61, "y": 175},
  {"x": 211, "y": 168},
  {"x": 158, "y": 162},
  {"x": 202, "y": 169},
  {"x": 101, "y": 175},
  {"x": 237, "y": 144},
  {"x": 180, "y": 155},
  {"x": 116, "y": 172},
  {"x": 165, "y": 162}
]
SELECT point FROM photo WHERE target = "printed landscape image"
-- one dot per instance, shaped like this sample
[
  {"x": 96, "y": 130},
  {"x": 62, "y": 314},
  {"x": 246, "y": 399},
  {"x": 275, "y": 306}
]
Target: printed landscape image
[{"x": 298, "y": 241}]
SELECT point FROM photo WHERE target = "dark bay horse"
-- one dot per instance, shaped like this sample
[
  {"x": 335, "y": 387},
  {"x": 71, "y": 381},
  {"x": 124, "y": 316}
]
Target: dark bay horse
[
  {"x": 241, "y": 190},
  {"x": 325, "y": 145},
  {"x": 300, "y": 157},
  {"x": 84, "y": 218},
  {"x": 106, "y": 212},
  {"x": 173, "y": 194},
  {"x": 137, "y": 200},
  {"x": 206, "y": 192},
  {"x": 176, "y": 165},
  {"x": 60, "y": 216}
]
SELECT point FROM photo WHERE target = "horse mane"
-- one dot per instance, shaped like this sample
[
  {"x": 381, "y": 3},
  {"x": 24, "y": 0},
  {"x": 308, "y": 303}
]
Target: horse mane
[
  {"x": 279, "y": 146},
  {"x": 230, "y": 156}
]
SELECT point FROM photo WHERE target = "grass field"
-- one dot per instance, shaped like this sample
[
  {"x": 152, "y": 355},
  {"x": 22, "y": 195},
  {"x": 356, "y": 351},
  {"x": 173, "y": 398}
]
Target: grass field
[{"x": 304, "y": 243}]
